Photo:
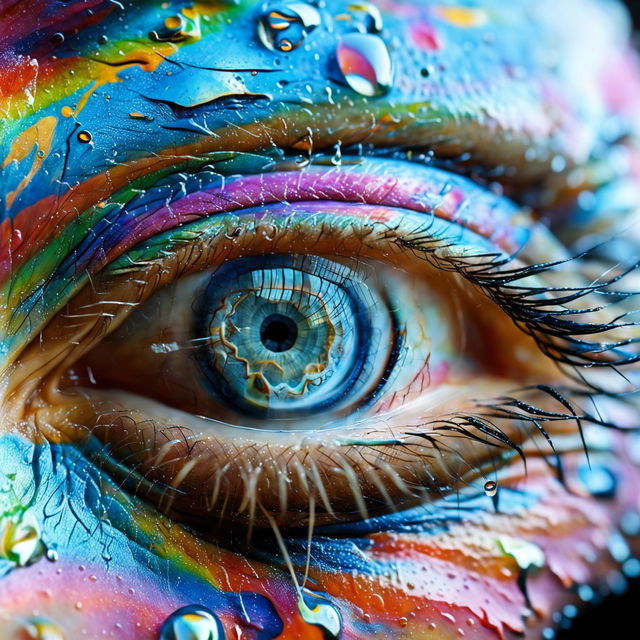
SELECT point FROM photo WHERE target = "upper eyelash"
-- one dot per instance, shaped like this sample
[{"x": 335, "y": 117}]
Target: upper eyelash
[{"x": 525, "y": 304}]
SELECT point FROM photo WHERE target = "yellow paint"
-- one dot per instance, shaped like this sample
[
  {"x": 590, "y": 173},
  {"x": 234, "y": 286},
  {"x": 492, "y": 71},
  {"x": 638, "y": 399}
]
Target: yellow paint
[
  {"x": 149, "y": 59},
  {"x": 67, "y": 112},
  {"x": 38, "y": 136},
  {"x": 463, "y": 17}
]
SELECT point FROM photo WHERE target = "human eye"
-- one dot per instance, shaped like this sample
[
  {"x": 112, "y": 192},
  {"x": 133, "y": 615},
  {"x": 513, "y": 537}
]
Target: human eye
[
  {"x": 321, "y": 360},
  {"x": 316, "y": 318}
]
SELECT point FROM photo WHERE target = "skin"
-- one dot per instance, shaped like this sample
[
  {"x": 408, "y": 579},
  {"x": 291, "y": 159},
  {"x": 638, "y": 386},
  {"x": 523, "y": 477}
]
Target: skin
[{"x": 516, "y": 134}]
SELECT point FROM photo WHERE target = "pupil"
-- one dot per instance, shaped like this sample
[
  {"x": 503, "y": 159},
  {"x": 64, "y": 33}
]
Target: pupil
[{"x": 278, "y": 333}]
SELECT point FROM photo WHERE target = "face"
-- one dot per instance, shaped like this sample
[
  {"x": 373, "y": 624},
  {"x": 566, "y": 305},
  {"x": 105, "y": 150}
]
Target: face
[{"x": 317, "y": 319}]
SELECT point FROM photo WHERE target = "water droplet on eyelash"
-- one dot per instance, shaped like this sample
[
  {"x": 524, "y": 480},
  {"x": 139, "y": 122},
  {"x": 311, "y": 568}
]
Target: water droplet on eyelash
[
  {"x": 192, "y": 623},
  {"x": 20, "y": 541},
  {"x": 41, "y": 629},
  {"x": 321, "y": 613},
  {"x": 84, "y": 137},
  {"x": 365, "y": 63},
  {"x": 585, "y": 593},
  {"x": 284, "y": 26},
  {"x": 491, "y": 488},
  {"x": 599, "y": 481}
]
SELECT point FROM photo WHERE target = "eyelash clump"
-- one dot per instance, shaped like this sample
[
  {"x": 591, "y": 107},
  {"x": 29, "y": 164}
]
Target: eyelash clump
[{"x": 580, "y": 326}]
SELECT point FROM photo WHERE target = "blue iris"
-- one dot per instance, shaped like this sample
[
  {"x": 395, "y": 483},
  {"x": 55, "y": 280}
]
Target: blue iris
[{"x": 287, "y": 335}]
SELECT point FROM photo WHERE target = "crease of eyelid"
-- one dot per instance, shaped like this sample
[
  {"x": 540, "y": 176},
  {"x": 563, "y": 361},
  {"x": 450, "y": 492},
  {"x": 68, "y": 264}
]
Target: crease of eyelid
[{"x": 48, "y": 280}]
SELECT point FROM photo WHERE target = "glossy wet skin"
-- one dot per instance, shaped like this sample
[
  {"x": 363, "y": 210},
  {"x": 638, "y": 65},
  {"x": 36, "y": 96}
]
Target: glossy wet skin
[{"x": 409, "y": 165}]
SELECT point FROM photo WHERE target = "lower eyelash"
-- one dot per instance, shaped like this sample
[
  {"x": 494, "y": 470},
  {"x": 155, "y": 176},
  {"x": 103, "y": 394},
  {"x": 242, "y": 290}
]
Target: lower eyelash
[{"x": 427, "y": 446}]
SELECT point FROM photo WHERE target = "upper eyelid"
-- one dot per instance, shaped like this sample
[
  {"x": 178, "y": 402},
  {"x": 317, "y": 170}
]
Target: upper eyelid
[{"x": 109, "y": 231}]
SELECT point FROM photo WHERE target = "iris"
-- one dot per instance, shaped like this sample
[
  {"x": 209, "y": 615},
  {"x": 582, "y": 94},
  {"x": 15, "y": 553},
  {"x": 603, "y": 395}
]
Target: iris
[{"x": 290, "y": 335}]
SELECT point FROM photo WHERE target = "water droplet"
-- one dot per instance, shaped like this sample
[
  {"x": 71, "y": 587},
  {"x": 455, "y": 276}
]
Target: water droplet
[
  {"x": 177, "y": 28},
  {"x": 57, "y": 38},
  {"x": 585, "y": 593},
  {"x": 491, "y": 488},
  {"x": 368, "y": 15},
  {"x": 52, "y": 555},
  {"x": 41, "y": 629},
  {"x": 631, "y": 568},
  {"x": 618, "y": 547},
  {"x": 528, "y": 556},
  {"x": 84, "y": 136},
  {"x": 599, "y": 481},
  {"x": 192, "y": 623},
  {"x": 365, "y": 63},
  {"x": 630, "y": 523},
  {"x": 20, "y": 541},
  {"x": 548, "y": 634},
  {"x": 321, "y": 614},
  {"x": 284, "y": 26}
]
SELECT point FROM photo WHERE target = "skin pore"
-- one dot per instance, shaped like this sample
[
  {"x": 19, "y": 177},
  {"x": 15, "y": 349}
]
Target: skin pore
[{"x": 317, "y": 319}]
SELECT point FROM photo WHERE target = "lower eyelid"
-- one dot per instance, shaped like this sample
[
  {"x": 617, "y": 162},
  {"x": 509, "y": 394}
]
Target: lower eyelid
[{"x": 348, "y": 475}]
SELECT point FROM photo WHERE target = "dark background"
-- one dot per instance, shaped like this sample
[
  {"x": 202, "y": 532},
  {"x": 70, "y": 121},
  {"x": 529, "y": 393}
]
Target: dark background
[
  {"x": 620, "y": 613},
  {"x": 634, "y": 7}
]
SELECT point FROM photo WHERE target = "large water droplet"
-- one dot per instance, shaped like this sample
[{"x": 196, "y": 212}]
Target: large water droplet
[
  {"x": 20, "y": 541},
  {"x": 41, "y": 629},
  {"x": 630, "y": 523},
  {"x": 284, "y": 26},
  {"x": 192, "y": 623},
  {"x": 491, "y": 488},
  {"x": 365, "y": 63},
  {"x": 599, "y": 481},
  {"x": 528, "y": 556},
  {"x": 321, "y": 613}
]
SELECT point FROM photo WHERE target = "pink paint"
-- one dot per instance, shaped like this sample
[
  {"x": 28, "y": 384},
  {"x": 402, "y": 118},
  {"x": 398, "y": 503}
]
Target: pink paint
[{"x": 425, "y": 36}]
